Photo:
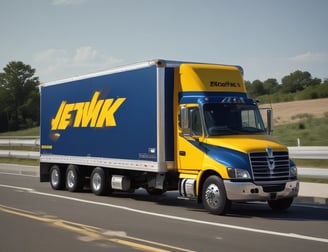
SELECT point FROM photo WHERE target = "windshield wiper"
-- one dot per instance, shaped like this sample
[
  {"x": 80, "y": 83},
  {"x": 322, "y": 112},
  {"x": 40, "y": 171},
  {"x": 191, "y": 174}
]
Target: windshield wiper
[
  {"x": 222, "y": 130},
  {"x": 252, "y": 129}
]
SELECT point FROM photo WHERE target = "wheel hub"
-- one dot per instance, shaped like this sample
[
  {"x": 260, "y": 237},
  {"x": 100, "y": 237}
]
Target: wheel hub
[
  {"x": 55, "y": 177},
  {"x": 71, "y": 179},
  {"x": 96, "y": 181},
  {"x": 212, "y": 195}
]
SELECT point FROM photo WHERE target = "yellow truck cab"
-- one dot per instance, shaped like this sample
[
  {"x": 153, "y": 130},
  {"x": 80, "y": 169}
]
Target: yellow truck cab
[{"x": 223, "y": 151}]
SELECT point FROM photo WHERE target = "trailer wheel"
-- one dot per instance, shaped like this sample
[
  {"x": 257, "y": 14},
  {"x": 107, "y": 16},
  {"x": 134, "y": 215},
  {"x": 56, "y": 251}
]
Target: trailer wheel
[
  {"x": 280, "y": 204},
  {"x": 56, "y": 178},
  {"x": 74, "y": 179},
  {"x": 214, "y": 195},
  {"x": 99, "y": 181}
]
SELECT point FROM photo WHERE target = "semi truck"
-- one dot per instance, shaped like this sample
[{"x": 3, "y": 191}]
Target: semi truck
[{"x": 164, "y": 125}]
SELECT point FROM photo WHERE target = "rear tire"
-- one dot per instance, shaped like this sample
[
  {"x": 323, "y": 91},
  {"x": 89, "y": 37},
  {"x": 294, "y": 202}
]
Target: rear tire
[
  {"x": 99, "y": 181},
  {"x": 74, "y": 179},
  {"x": 57, "y": 179},
  {"x": 214, "y": 195},
  {"x": 280, "y": 204}
]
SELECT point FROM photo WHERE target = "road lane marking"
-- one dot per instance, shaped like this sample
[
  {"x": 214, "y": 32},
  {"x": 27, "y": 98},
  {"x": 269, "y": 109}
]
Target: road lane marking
[
  {"x": 91, "y": 233},
  {"x": 17, "y": 188},
  {"x": 172, "y": 217},
  {"x": 20, "y": 174},
  {"x": 310, "y": 206}
]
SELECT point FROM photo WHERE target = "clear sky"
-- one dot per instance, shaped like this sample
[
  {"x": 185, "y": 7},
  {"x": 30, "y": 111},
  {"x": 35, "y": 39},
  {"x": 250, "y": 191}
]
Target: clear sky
[{"x": 65, "y": 38}]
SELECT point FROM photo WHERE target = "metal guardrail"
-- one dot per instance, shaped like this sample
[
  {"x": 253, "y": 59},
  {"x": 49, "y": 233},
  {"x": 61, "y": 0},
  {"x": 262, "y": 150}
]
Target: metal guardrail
[
  {"x": 20, "y": 154},
  {"x": 308, "y": 152},
  {"x": 15, "y": 141},
  {"x": 298, "y": 152},
  {"x": 32, "y": 142}
]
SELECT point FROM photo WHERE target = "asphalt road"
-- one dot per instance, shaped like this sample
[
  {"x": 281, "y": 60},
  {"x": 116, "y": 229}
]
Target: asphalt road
[{"x": 33, "y": 217}]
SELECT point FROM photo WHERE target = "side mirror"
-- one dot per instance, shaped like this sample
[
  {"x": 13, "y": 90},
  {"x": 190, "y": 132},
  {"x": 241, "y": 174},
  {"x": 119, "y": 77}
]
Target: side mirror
[
  {"x": 269, "y": 121},
  {"x": 184, "y": 121}
]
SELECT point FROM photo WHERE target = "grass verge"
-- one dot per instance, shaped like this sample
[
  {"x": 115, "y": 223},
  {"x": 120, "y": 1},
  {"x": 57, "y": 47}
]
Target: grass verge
[
  {"x": 313, "y": 180},
  {"x": 27, "y": 132},
  {"x": 33, "y": 162},
  {"x": 310, "y": 131},
  {"x": 312, "y": 163}
]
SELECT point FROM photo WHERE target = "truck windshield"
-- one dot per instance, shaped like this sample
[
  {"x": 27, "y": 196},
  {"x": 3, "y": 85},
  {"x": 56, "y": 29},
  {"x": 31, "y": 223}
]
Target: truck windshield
[{"x": 229, "y": 119}]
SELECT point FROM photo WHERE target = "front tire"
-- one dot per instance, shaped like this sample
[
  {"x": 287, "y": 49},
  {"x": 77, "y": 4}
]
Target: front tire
[
  {"x": 99, "y": 182},
  {"x": 214, "y": 195},
  {"x": 74, "y": 179}
]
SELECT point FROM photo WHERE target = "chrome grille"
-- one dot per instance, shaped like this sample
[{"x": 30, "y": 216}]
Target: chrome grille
[{"x": 270, "y": 168}]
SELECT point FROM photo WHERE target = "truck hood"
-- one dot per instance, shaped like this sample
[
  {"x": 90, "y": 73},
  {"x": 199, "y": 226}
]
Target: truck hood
[{"x": 246, "y": 143}]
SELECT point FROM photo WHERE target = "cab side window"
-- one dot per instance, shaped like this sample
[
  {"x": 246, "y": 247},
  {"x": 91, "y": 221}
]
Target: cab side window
[{"x": 195, "y": 122}]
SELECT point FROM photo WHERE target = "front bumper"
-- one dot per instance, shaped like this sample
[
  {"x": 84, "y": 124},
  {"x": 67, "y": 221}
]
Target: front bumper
[{"x": 248, "y": 191}]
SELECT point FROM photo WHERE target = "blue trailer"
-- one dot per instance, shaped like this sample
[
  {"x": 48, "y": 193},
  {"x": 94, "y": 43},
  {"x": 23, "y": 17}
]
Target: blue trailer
[{"x": 113, "y": 119}]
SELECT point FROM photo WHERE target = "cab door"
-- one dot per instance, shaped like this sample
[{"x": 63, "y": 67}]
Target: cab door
[{"x": 190, "y": 149}]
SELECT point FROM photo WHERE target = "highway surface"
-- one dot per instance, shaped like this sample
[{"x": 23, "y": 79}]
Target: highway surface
[{"x": 33, "y": 217}]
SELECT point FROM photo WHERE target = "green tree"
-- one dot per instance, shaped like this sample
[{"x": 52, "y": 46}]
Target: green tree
[
  {"x": 298, "y": 81},
  {"x": 257, "y": 88},
  {"x": 3, "y": 113},
  {"x": 19, "y": 95},
  {"x": 248, "y": 85},
  {"x": 270, "y": 86}
]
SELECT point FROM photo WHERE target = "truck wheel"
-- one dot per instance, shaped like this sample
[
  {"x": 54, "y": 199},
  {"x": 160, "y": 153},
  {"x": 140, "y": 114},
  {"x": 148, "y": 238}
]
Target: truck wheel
[
  {"x": 56, "y": 178},
  {"x": 214, "y": 195},
  {"x": 74, "y": 179},
  {"x": 280, "y": 204},
  {"x": 99, "y": 181}
]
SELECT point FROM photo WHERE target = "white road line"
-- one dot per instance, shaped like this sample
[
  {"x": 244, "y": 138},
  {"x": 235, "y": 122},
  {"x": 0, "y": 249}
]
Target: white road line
[
  {"x": 17, "y": 188},
  {"x": 19, "y": 174},
  {"x": 172, "y": 217},
  {"x": 310, "y": 206}
]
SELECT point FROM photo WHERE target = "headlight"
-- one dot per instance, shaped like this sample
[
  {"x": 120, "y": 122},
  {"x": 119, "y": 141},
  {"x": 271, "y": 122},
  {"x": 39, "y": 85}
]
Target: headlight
[
  {"x": 293, "y": 171},
  {"x": 237, "y": 173}
]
